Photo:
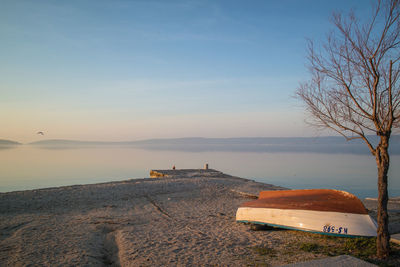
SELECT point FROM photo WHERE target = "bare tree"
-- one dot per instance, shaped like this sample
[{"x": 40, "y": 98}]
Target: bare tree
[{"x": 354, "y": 89}]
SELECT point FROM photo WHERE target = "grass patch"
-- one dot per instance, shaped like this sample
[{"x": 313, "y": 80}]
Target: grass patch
[
  {"x": 261, "y": 255},
  {"x": 295, "y": 246},
  {"x": 360, "y": 247},
  {"x": 363, "y": 248},
  {"x": 310, "y": 247},
  {"x": 264, "y": 251}
]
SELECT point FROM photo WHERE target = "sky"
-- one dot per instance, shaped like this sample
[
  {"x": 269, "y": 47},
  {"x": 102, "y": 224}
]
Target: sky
[{"x": 126, "y": 70}]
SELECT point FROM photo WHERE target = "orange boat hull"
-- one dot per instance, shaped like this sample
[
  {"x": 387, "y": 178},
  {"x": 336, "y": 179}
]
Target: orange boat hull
[{"x": 323, "y": 211}]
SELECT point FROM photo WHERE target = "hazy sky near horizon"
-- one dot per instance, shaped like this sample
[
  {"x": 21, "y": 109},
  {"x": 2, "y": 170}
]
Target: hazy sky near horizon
[{"x": 128, "y": 70}]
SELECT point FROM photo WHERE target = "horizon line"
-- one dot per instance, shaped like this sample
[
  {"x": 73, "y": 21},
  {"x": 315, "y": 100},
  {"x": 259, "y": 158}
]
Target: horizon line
[{"x": 187, "y": 137}]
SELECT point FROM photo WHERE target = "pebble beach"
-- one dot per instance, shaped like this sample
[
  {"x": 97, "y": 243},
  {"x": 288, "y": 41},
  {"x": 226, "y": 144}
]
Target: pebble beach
[{"x": 180, "y": 220}]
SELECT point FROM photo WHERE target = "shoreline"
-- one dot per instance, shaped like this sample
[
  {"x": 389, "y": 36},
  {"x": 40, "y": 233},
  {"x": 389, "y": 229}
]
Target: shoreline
[{"x": 188, "y": 220}]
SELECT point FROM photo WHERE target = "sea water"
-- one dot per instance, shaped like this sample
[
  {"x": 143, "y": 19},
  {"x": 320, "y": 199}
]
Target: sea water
[{"x": 29, "y": 167}]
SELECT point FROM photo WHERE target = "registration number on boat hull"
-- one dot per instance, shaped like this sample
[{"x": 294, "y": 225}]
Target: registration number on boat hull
[{"x": 335, "y": 229}]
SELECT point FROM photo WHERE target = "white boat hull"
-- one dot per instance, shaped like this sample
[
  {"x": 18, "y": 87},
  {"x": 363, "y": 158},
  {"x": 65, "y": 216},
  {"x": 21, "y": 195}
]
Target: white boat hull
[{"x": 325, "y": 222}]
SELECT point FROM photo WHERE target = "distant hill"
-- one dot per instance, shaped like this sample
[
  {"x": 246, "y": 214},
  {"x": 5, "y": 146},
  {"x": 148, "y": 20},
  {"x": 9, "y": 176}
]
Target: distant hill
[
  {"x": 328, "y": 144},
  {"x": 63, "y": 142},
  {"x": 8, "y": 143},
  {"x": 258, "y": 144}
]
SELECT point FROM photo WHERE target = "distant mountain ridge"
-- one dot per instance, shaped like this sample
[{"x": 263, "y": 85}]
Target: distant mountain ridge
[
  {"x": 66, "y": 142},
  {"x": 326, "y": 144},
  {"x": 4, "y": 142}
]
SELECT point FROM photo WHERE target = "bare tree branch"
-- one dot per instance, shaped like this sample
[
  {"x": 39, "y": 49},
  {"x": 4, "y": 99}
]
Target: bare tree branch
[{"x": 354, "y": 89}]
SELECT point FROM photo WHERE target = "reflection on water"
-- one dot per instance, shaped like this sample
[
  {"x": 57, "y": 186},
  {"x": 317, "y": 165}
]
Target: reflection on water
[{"x": 27, "y": 167}]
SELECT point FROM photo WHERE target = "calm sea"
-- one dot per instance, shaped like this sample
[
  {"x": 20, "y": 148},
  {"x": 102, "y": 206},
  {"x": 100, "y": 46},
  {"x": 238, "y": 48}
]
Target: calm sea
[{"x": 30, "y": 167}]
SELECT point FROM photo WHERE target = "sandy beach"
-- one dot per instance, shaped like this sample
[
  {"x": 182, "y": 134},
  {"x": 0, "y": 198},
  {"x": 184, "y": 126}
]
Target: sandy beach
[{"x": 183, "y": 220}]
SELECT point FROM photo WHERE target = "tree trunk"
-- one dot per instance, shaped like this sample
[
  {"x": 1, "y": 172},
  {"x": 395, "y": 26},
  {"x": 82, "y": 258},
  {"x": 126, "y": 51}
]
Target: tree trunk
[{"x": 382, "y": 161}]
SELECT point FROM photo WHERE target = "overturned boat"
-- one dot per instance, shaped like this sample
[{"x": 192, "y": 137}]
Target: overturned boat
[{"x": 324, "y": 211}]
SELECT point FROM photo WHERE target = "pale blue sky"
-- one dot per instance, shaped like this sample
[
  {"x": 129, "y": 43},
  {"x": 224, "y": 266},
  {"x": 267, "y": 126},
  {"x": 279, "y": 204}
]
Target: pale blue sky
[{"x": 127, "y": 70}]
